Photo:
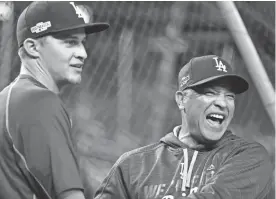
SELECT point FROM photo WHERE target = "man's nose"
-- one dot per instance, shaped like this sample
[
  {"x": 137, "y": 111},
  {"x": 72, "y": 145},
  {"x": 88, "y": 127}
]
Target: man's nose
[
  {"x": 220, "y": 101},
  {"x": 81, "y": 52}
]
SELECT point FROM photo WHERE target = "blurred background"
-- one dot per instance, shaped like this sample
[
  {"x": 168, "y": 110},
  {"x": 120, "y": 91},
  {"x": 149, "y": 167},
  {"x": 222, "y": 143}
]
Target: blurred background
[{"x": 126, "y": 98}]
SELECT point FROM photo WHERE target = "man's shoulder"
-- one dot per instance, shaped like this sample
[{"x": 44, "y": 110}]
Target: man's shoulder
[
  {"x": 242, "y": 144},
  {"x": 243, "y": 141},
  {"x": 140, "y": 153},
  {"x": 29, "y": 99},
  {"x": 25, "y": 92},
  {"x": 22, "y": 92},
  {"x": 144, "y": 149}
]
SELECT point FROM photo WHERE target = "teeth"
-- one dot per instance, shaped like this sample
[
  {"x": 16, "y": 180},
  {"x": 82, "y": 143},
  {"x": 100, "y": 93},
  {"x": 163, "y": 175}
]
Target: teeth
[{"x": 217, "y": 116}]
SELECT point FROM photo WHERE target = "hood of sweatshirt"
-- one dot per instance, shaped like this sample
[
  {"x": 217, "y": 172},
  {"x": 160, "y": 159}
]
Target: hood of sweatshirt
[{"x": 172, "y": 140}]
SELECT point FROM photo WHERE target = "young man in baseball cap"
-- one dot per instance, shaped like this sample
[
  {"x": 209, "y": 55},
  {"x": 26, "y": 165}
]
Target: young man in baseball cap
[
  {"x": 37, "y": 156},
  {"x": 200, "y": 159}
]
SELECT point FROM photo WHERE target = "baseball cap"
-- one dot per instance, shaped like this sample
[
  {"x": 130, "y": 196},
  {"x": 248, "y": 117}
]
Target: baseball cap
[
  {"x": 45, "y": 17},
  {"x": 209, "y": 68}
]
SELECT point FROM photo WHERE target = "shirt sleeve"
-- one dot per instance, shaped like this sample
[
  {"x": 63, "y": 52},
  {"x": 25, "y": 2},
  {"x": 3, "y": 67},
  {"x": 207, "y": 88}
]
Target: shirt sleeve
[
  {"x": 246, "y": 175},
  {"x": 44, "y": 139},
  {"x": 113, "y": 186}
]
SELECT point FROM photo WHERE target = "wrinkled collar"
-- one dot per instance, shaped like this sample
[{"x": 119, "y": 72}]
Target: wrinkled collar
[{"x": 172, "y": 139}]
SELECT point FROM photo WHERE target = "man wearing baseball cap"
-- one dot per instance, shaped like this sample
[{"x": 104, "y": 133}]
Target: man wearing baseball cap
[
  {"x": 201, "y": 158},
  {"x": 37, "y": 156}
]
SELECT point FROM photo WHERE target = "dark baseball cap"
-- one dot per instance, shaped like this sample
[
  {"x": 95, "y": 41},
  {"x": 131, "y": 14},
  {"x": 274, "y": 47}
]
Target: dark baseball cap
[
  {"x": 41, "y": 18},
  {"x": 209, "y": 68}
]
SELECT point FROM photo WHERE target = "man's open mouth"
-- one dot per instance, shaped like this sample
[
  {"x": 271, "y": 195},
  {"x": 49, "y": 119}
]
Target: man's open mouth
[{"x": 215, "y": 118}]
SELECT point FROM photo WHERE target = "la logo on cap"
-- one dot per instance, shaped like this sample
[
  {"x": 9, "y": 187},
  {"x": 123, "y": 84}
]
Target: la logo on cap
[
  {"x": 79, "y": 11},
  {"x": 219, "y": 65}
]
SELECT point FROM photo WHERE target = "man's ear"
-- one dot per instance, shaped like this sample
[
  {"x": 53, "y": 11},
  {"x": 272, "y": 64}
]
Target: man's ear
[
  {"x": 181, "y": 98},
  {"x": 31, "y": 46}
]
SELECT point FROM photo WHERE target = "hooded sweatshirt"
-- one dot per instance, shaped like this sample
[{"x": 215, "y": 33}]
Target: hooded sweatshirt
[{"x": 231, "y": 169}]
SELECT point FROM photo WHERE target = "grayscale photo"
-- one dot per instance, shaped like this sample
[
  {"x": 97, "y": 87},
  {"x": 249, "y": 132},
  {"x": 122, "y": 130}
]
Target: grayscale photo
[{"x": 137, "y": 100}]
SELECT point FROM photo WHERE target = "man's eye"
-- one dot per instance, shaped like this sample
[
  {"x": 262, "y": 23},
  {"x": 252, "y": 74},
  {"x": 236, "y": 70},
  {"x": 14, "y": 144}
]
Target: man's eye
[
  {"x": 72, "y": 42},
  {"x": 232, "y": 97},
  {"x": 209, "y": 93}
]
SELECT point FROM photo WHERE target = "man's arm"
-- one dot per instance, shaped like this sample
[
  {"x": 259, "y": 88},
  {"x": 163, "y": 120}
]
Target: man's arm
[
  {"x": 114, "y": 185},
  {"x": 246, "y": 175}
]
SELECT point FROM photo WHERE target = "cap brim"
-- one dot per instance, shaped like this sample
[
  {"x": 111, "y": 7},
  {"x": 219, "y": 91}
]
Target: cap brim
[
  {"x": 95, "y": 27},
  {"x": 237, "y": 83},
  {"x": 89, "y": 28}
]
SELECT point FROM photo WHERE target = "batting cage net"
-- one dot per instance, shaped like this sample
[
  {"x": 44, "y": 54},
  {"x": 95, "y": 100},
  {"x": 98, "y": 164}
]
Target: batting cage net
[{"x": 127, "y": 95}]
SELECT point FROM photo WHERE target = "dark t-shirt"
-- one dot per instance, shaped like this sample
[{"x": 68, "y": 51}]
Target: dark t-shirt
[{"x": 37, "y": 143}]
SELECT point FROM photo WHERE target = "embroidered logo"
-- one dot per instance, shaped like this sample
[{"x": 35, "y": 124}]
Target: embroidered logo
[
  {"x": 209, "y": 173},
  {"x": 40, "y": 27},
  {"x": 219, "y": 65},
  {"x": 78, "y": 11},
  {"x": 184, "y": 80}
]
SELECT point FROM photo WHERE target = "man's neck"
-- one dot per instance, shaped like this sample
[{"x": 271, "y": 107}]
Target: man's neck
[
  {"x": 40, "y": 74},
  {"x": 185, "y": 137}
]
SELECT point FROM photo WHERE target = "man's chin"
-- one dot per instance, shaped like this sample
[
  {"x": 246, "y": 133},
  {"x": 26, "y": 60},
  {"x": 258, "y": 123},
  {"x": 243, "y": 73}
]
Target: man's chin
[
  {"x": 76, "y": 80},
  {"x": 211, "y": 136}
]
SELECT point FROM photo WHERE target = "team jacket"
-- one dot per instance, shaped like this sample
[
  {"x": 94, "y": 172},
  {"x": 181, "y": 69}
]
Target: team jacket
[{"x": 231, "y": 169}]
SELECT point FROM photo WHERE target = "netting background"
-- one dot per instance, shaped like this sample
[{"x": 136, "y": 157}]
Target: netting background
[{"x": 126, "y": 98}]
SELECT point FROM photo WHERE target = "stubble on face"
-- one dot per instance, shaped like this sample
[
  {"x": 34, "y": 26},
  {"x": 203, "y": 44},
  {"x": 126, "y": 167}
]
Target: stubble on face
[
  {"x": 63, "y": 55},
  {"x": 201, "y": 104}
]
